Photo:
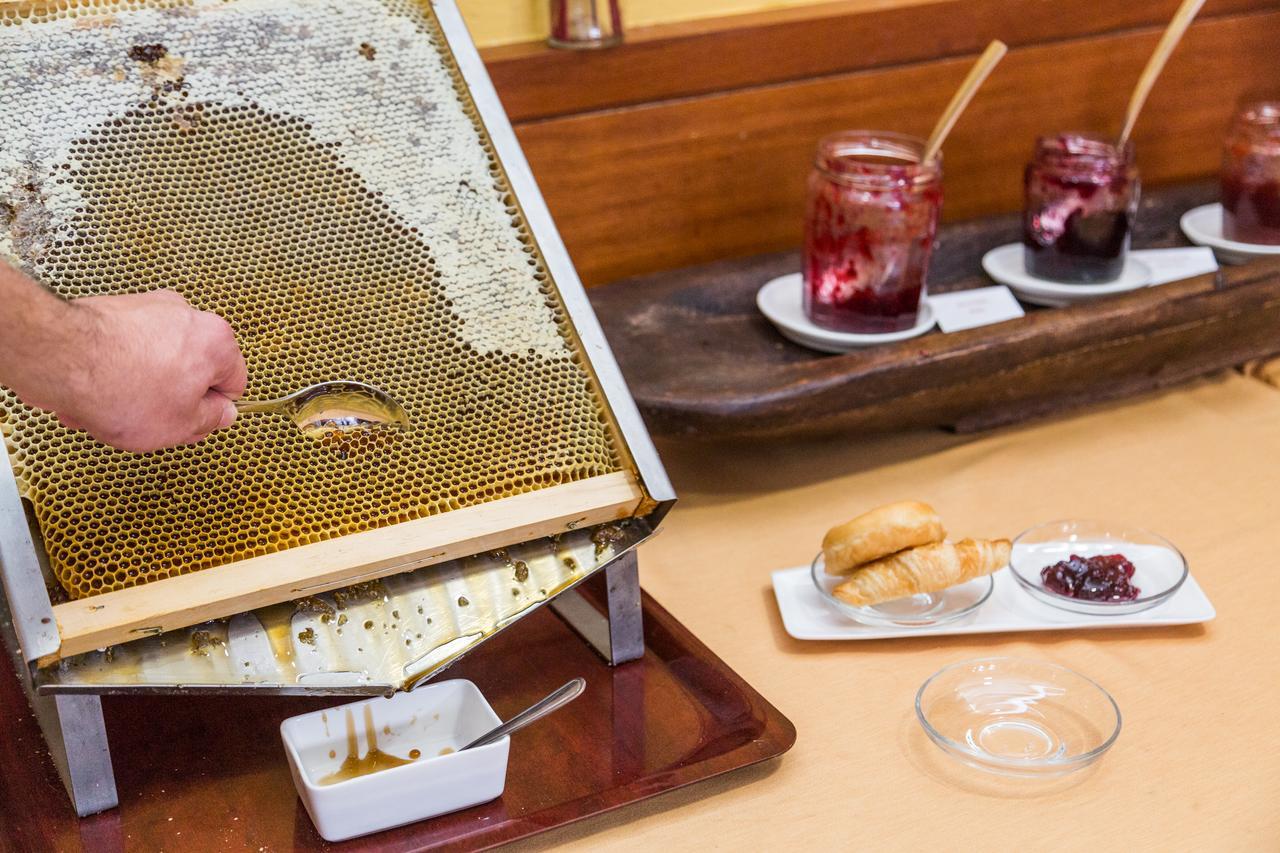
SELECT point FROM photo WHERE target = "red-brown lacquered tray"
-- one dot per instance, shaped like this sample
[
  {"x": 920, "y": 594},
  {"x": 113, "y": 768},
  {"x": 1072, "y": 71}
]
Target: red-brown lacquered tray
[{"x": 209, "y": 773}]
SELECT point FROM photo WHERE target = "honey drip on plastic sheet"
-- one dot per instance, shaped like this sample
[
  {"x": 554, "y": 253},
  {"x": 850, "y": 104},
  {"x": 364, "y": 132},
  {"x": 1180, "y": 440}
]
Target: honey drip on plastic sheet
[{"x": 373, "y": 761}]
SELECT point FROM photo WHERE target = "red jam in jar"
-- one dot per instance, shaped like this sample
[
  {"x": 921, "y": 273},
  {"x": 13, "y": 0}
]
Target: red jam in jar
[
  {"x": 1251, "y": 176},
  {"x": 1081, "y": 202},
  {"x": 869, "y": 229}
]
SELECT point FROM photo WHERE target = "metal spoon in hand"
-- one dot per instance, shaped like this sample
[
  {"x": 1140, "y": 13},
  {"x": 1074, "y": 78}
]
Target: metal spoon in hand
[
  {"x": 561, "y": 697},
  {"x": 334, "y": 407}
]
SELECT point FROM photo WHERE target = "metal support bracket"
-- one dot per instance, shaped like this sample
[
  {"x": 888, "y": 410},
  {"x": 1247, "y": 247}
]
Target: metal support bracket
[
  {"x": 72, "y": 726},
  {"x": 74, "y": 730},
  {"x": 618, "y": 634}
]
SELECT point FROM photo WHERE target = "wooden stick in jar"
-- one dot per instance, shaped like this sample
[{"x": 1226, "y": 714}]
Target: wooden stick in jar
[
  {"x": 977, "y": 76},
  {"x": 1172, "y": 35}
]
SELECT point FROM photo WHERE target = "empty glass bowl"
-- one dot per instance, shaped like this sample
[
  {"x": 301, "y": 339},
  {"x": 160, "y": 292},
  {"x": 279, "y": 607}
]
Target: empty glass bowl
[
  {"x": 1159, "y": 568},
  {"x": 915, "y": 611},
  {"x": 1017, "y": 717}
]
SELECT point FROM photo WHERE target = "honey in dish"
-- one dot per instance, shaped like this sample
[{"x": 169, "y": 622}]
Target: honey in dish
[{"x": 373, "y": 761}]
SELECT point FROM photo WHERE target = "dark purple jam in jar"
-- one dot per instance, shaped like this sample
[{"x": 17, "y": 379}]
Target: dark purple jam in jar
[
  {"x": 1081, "y": 202},
  {"x": 871, "y": 219},
  {"x": 1251, "y": 176}
]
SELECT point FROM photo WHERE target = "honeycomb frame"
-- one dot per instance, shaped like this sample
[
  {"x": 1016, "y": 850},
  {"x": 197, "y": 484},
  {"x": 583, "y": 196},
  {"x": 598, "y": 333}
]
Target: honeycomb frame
[{"x": 170, "y": 111}]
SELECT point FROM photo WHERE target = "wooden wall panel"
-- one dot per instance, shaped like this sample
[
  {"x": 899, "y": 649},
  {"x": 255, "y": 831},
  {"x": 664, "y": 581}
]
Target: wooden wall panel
[
  {"x": 716, "y": 55},
  {"x": 678, "y": 182}
]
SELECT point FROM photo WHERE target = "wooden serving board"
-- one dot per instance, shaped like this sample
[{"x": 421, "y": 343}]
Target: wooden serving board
[
  {"x": 702, "y": 362},
  {"x": 209, "y": 772}
]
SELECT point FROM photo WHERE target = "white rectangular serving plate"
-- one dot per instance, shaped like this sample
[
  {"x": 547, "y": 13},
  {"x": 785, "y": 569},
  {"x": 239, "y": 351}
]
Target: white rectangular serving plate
[{"x": 807, "y": 617}]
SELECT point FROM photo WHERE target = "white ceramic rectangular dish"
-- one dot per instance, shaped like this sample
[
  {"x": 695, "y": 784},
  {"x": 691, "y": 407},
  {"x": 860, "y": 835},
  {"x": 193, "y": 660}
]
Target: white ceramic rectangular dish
[
  {"x": 807, "y": 617},
  {"x": 422, "y": 728}
]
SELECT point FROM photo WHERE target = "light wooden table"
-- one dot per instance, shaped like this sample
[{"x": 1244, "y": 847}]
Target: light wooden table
[{"x": 1197, "y": 765}]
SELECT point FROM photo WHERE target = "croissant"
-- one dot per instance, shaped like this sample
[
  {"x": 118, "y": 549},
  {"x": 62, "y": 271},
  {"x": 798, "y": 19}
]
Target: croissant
[
  {"x": 925, "y": 569},
  {"x": 882, "y": 531}
]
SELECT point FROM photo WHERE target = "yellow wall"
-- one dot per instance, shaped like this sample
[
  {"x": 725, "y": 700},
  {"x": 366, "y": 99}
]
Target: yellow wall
[{"x": 495, "y": 22}]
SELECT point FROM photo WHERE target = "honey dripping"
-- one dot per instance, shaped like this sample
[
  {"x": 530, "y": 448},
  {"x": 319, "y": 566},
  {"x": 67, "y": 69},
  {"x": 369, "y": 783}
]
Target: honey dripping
[{"x": 373, "y": 761}]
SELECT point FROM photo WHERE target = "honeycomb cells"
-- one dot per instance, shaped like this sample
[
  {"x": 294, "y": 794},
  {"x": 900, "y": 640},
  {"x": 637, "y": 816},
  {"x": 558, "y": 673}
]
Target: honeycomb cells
[{"x": 249, "y": 213}]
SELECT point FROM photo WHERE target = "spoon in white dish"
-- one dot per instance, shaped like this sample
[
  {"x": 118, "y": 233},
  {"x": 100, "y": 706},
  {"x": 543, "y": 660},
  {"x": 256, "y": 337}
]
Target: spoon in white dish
[{"x": 553, "y": 702}]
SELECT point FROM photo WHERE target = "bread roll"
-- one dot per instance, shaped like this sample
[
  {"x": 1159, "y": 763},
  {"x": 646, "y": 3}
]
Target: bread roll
[
  {"x": 926, "y": 569},
  {"x": 879, "y": 533}
]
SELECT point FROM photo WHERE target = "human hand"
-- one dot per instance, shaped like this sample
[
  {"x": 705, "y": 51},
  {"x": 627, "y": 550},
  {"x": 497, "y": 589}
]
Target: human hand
[{"x": 142, "y": 372}]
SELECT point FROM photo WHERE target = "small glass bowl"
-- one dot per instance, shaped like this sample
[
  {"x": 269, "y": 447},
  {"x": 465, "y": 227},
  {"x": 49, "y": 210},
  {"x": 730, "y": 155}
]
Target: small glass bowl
[
  {"x": 1159, "y": 567},
  {"x": 915, "y": 611},
  {"x": 1017, "y": 717}
]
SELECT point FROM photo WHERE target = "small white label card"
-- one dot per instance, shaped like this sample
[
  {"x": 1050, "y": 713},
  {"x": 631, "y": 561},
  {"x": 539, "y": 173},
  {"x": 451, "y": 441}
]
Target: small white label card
[
  {"x": 1176, "y": 264},
  {"x": 968, "y": 309}
]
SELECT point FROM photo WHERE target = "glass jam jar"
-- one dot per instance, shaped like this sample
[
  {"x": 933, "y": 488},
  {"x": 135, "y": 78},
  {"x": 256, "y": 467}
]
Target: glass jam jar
[
  {"x": 870, "y": 222},
  {"x": 1081, "y": 202},
  {"x": 1251, "y": 176}
]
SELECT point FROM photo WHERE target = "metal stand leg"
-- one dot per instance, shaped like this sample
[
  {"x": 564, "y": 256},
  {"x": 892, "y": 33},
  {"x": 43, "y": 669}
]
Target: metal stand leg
[
  {"x": 72, "y": 725},
  {"x": 626, "y": 619},
  {"x": 75, "y": 732},
  {"x": 619, "y": 635},
  {"x": 77, "y": 738}
]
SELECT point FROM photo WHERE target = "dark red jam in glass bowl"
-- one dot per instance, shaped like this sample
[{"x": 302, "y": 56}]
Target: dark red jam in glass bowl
[
  {"x": 1081, "y": 202},
  {"x": 1251, "y": 176},
  {"x": 869, "y": 228},
  {"x": 1105, "y": 577}
]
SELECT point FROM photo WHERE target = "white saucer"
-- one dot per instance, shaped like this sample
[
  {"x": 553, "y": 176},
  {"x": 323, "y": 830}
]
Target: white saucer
[
  {"x": 1007, "y": 265},
  {"x": 1203, "y": 226},
  {"x": 781, "y": 301}
]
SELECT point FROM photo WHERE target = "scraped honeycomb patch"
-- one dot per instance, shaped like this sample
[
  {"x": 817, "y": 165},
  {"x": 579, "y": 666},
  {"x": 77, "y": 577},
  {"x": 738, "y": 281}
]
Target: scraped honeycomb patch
[{"x": 332, "y": 251}]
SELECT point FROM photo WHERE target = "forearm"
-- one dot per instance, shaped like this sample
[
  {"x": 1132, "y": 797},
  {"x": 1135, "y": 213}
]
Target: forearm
[
  {"x": 41, "y": 338},
  {"x": 138, "y": 371}
]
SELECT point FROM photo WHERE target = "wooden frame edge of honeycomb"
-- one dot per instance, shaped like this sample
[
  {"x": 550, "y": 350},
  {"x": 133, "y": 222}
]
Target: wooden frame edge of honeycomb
[{"x": 184, "y": 600}]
